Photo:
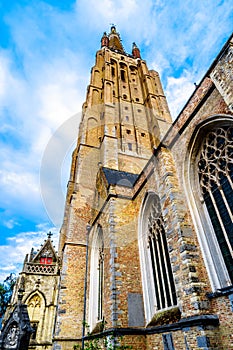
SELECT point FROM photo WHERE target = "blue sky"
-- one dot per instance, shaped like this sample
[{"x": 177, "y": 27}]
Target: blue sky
[{"x": 47, "y": 49}]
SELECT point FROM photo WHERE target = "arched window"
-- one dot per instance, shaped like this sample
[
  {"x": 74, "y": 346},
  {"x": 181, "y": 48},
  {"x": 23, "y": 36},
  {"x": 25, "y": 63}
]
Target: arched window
[
  {"x": 96, "y": 278},
  {"x": 122, "y": 75},
  {"x": 158, "y": 284},
  {"x": 209, "y": 184},
  {"x": 36, "y": 307},
  {"x": 160, "y": 261},
  {"x": 215, "y": 170},
  {"x": 100, "y": 275}
]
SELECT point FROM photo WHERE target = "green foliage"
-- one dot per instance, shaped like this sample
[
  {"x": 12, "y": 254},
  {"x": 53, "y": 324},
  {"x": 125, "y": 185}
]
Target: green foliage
[
  {"x": 6, "y": 289},
  {"x": 101, "y": 343}
]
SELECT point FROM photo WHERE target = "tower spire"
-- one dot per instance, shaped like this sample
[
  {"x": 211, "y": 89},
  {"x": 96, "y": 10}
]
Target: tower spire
[{"x": 114, "y": 40}]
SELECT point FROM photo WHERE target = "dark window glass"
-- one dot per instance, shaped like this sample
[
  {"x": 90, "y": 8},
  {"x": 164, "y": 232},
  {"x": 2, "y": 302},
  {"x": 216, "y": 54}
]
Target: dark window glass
[{"x": 215, "y": 169}]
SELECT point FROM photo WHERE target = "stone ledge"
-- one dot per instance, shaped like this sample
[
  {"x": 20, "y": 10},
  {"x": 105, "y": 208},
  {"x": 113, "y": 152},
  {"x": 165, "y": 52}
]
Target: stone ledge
[
  {"x": 192, "y": 321},
  {"x": 220, "y": 292}
]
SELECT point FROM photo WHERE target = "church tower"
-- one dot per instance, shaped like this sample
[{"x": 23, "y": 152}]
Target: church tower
[
  {"x": 36, "y": 291},
  {"x": 124, "y": 118},
  {"x": 146, "y": 245}
]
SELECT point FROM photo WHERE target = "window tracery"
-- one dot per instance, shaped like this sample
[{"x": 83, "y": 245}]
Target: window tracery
[{"x": 215, "y": 171}]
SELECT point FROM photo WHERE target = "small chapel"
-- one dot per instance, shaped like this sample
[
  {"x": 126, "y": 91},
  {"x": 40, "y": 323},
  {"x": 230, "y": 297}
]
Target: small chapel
[{"x": 146, "y": 246}]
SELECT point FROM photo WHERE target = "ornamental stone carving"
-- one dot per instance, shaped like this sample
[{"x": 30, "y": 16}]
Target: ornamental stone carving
[{"x": 222, "y": 76}]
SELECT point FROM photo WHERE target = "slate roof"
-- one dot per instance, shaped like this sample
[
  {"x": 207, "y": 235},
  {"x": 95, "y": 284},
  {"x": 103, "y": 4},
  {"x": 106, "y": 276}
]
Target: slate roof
[{"x": 121, "y": 178}]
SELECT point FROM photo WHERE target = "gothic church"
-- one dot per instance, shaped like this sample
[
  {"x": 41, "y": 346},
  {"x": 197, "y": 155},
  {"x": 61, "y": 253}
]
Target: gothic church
[{"x": 146, "y": 246}]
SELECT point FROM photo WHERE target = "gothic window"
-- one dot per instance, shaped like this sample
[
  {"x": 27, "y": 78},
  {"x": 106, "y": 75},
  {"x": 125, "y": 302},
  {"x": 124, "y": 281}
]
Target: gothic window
[
  {"x": 160, "y": 261},
  {"x": 215, "y": 170},
  {"x": 96, "y": 278},
  {"x": 157, "y": 279},
  {"x": 34, "y": 307},
  {"x": 100, "y": 275},
  {"x": 209, "y": 186}
]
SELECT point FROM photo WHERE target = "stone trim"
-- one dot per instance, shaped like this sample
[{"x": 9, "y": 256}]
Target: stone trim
[{"x": 193, "y": 321}]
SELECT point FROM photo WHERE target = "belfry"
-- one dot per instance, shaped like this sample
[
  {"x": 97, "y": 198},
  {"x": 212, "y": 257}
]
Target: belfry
[{"x": 146, "y": 245}]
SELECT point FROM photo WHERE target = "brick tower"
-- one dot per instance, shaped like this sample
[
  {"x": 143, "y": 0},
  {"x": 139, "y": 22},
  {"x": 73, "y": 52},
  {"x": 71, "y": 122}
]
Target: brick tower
[{"x": 124, "y": 117}]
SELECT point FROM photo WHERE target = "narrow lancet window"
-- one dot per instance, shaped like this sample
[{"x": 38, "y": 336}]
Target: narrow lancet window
[
  {"x": 100, "y": 274},
  {"x": 162, "y": 273}
]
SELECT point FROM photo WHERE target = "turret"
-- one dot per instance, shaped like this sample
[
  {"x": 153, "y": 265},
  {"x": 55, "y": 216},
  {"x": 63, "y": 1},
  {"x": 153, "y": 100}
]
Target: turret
[
  {"x": 104, "y": 40},
  {"x": 136, "y": 51}
]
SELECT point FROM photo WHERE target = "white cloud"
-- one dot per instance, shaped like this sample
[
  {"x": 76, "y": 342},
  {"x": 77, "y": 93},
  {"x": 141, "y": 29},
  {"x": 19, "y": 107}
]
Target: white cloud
[
  {"x": 21, "y": 183},
  {"x": 178, "y": 90},
  {"x": 10, "y": 223}
]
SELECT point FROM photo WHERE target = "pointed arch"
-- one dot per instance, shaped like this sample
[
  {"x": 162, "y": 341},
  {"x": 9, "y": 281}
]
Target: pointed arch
[
  {"x": 36, "y": 304},
  {"x": 96, "y": 278},
  {"x": 208, "y": 175},
  {"x": 157, "y": 279}
]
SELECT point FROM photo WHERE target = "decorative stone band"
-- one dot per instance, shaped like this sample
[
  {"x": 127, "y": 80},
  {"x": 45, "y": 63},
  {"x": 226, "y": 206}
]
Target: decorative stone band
[{"x": 41, "y": 269}]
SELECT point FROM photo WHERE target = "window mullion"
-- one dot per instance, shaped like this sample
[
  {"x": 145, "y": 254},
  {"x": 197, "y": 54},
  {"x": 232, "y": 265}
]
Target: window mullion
[
  {"x": 155, "y": 254},
  {"x": 151, "y": 249},
  {"x": 230, "y": 180},
  {"x": 162, "y": 285},
  {"x": 225, "y": 202},
  {"x": 221, "y": 223},
  {"x": 166, "y": 266}
]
